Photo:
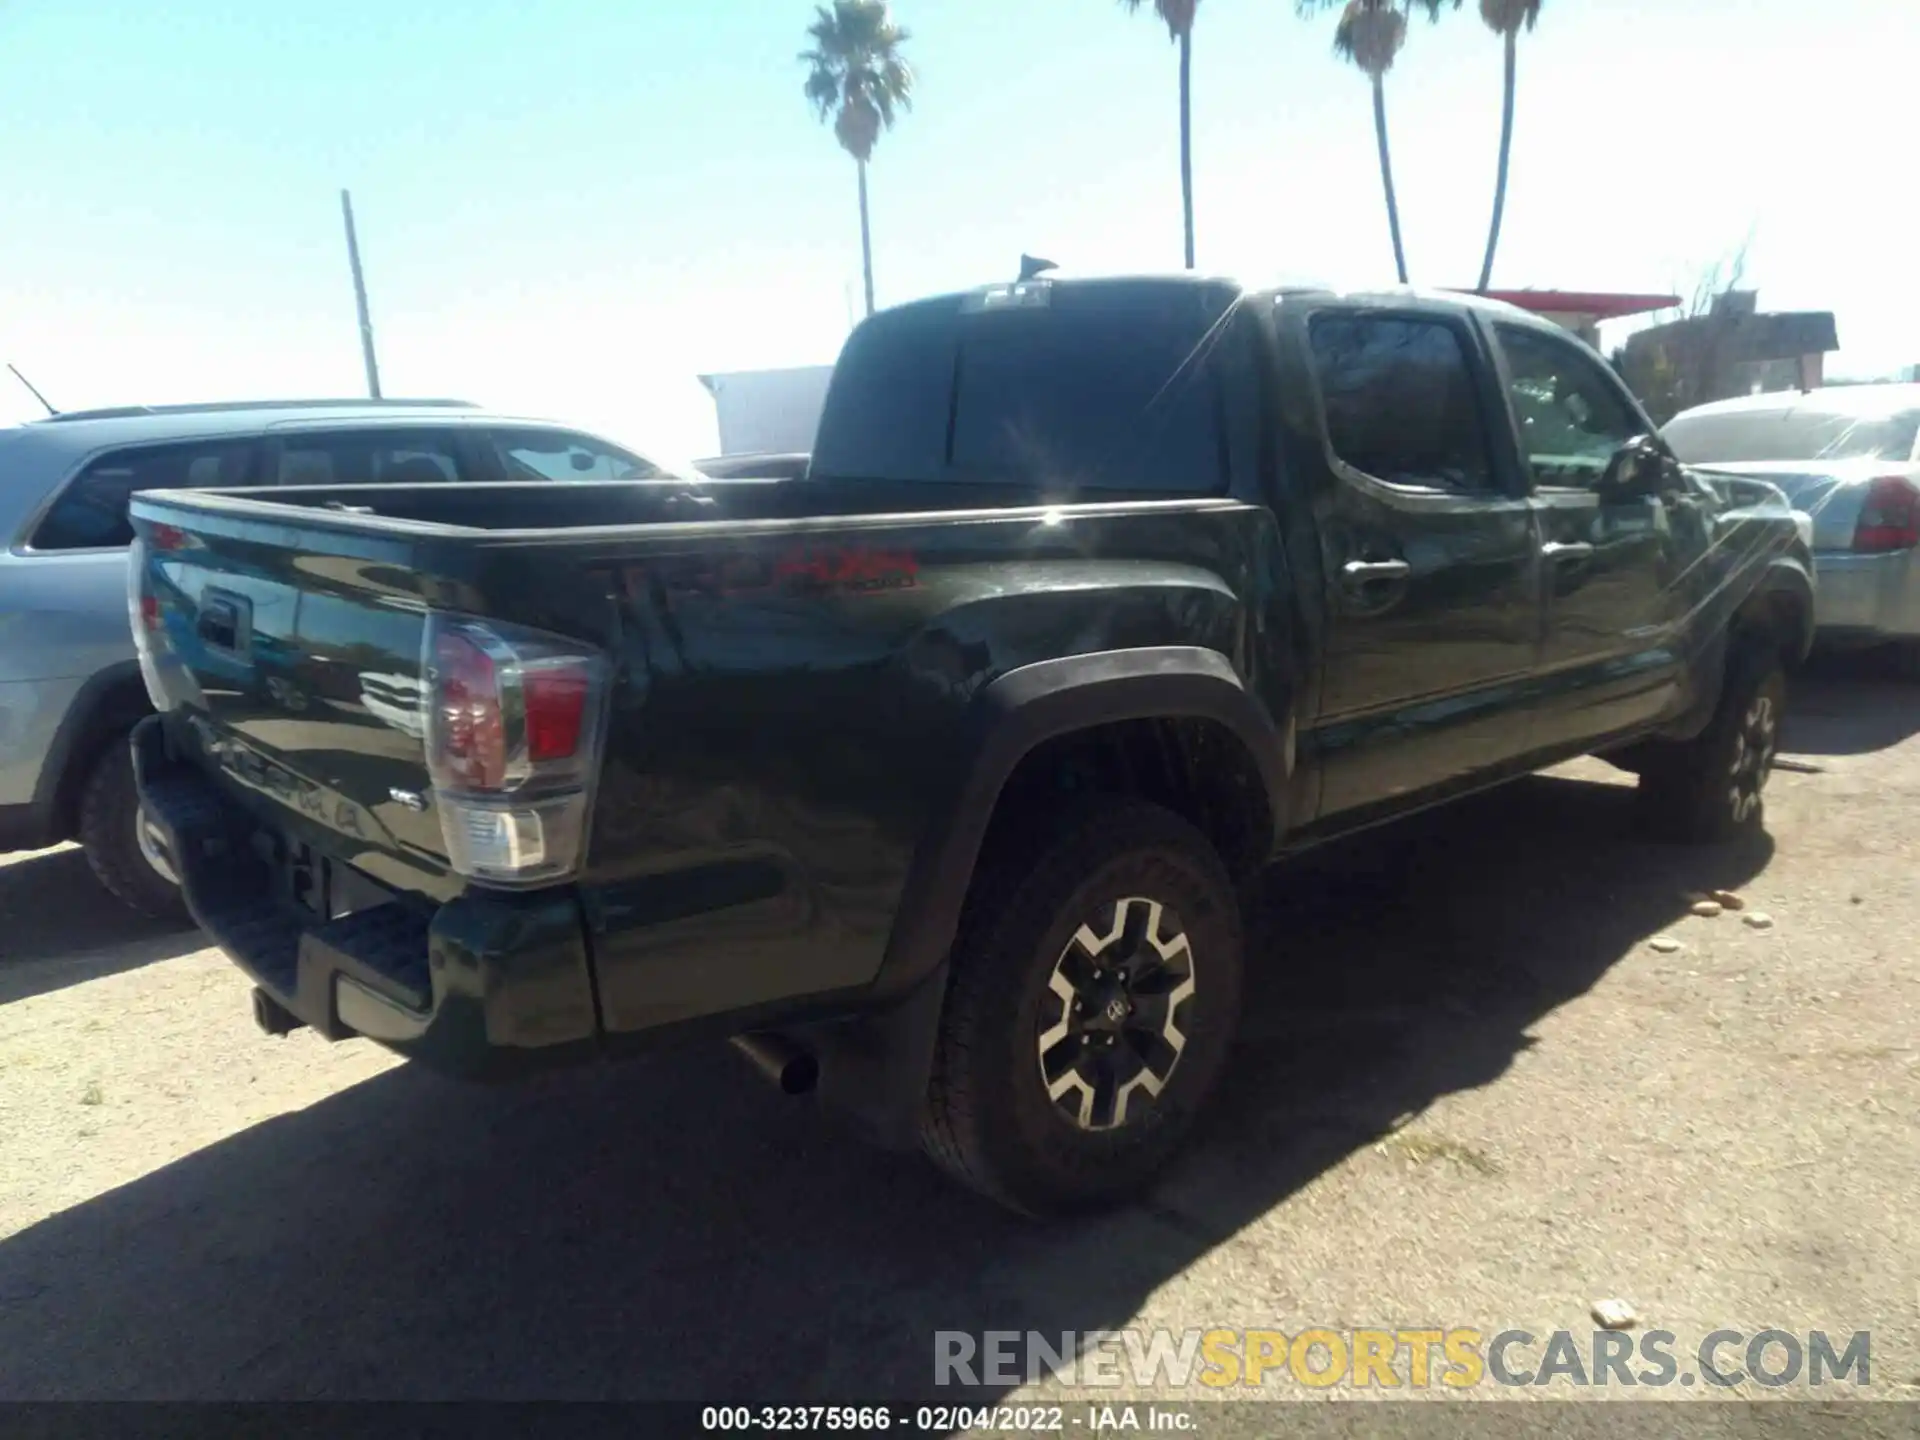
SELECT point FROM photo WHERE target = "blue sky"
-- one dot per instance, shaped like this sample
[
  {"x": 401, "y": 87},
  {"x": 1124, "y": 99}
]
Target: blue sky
[{"x": 574, "y": 207}]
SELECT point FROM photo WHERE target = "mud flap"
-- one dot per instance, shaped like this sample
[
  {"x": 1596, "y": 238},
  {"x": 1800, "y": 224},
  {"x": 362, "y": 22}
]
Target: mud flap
[{"x": 874, "y": 1067}]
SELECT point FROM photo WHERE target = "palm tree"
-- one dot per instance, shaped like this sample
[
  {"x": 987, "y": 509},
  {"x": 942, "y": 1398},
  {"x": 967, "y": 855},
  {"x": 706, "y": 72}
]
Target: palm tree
[
  {"x": 1179, "y": 17},
  {"x": 857, "y": 76},
  {"x": 1371, "y": 34},
  {"x": 1505, "y": 18}
]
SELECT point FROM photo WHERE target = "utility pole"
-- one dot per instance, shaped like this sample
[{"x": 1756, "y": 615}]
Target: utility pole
[{"x": 360, "y": 298}]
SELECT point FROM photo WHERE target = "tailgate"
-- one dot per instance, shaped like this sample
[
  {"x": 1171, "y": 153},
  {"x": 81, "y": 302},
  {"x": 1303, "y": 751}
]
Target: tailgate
[{"x": 288, "y": 659}]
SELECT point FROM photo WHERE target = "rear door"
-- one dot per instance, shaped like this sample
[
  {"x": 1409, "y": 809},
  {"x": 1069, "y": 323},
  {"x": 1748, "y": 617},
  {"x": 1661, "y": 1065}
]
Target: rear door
[
  {"x": 1620, "y": 573},
  {"x": 1429, "y": 553},
  {"x": 63, "y": 598}
]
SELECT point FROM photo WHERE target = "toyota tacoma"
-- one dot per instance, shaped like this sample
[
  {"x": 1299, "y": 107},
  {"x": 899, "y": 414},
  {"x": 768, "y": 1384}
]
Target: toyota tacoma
[{"x": 928, "y": 775}]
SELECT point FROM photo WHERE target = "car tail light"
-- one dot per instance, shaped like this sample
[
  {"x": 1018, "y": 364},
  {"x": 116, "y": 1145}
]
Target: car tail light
[
  {"x": 1890, "y": 518},
  {"x": 512, "y": 741}
]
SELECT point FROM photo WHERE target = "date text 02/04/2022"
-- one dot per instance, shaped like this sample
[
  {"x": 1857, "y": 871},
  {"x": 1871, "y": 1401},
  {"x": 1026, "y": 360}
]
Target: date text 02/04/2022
[{"x": 946, "y": 1419}]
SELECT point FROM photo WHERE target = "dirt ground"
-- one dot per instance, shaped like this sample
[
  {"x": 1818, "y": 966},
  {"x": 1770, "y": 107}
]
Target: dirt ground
[{"x": 1471, "y": 1093}]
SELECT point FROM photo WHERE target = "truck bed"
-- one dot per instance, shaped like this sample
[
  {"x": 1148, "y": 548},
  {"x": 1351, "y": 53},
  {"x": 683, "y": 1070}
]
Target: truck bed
[{"x": 788, "y": 683}]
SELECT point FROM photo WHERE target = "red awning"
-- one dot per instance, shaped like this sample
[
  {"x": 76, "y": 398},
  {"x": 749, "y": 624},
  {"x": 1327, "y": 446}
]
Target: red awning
[{"x": 1601, "y": 305}]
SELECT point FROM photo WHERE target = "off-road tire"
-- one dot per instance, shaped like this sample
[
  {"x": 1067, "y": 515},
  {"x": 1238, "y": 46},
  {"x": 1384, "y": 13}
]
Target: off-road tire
[
  {"x": 989, "y": 1120},
  {"x": 1708, "y": 790},
  {"x": 109, "y": 812}
]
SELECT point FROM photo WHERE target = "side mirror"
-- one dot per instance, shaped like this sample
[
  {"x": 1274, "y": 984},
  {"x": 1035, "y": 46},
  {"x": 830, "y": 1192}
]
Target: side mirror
[{"x": 1638, "y": 470}]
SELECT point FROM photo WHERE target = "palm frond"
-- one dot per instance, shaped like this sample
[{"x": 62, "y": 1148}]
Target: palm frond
[
  {"x": 1509, "y": 17},
  {"x": 1432, "y": 9},
  {"x": 1371, "y": 34},
  {"x": 1178, "y": 15},
  {"x": 822, "y": 89},
  {"x": 856, "y": 75}
]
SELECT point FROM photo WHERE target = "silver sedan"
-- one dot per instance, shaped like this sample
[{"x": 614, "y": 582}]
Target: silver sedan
[{"x": 1849, "y": 458}]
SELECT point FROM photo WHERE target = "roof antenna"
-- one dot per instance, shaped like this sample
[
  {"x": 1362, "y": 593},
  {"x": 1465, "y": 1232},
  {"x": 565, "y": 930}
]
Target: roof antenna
[
  {"x": 1032, "y": 265},
  {"x": 29, "y": 384}
]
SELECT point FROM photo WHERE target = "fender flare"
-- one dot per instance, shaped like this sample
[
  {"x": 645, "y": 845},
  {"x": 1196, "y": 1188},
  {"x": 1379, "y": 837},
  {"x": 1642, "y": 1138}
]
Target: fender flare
[
  {"x": 1786, "y": 574},
  {"x": 1035, "y": 703},
  {"x": 1791, "y": 575}
]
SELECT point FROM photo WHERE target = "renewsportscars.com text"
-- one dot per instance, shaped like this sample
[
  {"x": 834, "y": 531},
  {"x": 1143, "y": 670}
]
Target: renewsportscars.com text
[{"x": 1406, "y": 1358}]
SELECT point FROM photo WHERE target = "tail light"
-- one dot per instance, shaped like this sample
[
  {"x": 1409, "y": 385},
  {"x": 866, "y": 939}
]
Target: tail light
[
  {"x": 1890, "y": 518},
  {"x": 143, "y": 617},
  {"x": 513, "y": 747}
]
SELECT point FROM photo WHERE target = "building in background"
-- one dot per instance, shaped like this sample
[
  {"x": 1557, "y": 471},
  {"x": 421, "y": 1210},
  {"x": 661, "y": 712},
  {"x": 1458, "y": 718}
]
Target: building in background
[
  {"x": 768, "y": 412},
  {"x": 1733, "y": 348}
]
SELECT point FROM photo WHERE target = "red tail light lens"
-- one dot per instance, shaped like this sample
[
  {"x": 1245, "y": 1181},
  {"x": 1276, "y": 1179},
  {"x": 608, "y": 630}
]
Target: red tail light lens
[
  {"x": 556, "y": 699},
  {"x": 512, "y": 742},
  {"x": 149, "y": 613},
  {"x": 466, "y": 700},
  {"x": 1890, "y": 518}
]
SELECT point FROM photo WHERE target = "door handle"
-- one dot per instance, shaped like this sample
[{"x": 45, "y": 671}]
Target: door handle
[
  {"x": 225, "y": 622},
  {"x": 1367, "y": 572},
  {"x": 1566, "y": 550},
  {"x": 219, "y": 624}
]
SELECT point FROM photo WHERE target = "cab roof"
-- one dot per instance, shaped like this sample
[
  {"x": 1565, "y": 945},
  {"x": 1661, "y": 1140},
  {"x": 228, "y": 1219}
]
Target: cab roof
[{"x": 1282, "y": 288}]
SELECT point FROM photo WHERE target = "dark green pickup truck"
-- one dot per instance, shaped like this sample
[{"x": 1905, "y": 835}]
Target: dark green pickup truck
[{"x": 928, "y": 777}]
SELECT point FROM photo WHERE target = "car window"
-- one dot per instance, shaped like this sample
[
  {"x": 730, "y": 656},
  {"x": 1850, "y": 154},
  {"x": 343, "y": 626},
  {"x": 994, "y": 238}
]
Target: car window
[
  {"x": 566, "y": 455},
  {"x": 1572, "y": 418},
  {"x": 1400, "y": 401},
  {"x": 368, "y": 457},
  {"x": 91, "y": 512},
  {"x": 1102, "y": 386},
  {"x": 1791, "y": 433}
]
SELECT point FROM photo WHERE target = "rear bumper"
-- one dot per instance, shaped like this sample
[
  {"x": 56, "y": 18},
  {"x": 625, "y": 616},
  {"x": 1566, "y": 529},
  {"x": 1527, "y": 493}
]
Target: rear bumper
[
  {"x": 1867, "y": 599},
  {"x": 487, "y": 986}
]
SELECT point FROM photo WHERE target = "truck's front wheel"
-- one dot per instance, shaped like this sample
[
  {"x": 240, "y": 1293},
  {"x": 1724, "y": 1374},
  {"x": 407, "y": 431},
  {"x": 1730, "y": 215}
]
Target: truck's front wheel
[
  {"x": 1709, "y": 789},
  {"x": 1094, "y": 997}
]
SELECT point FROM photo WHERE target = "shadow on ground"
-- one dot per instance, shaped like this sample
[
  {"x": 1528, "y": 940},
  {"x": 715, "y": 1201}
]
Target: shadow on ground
[
  {"x": 59, "y": 927},
  {"x": 673, "y": 1229},
  {"x": 1850, "y": 705}
]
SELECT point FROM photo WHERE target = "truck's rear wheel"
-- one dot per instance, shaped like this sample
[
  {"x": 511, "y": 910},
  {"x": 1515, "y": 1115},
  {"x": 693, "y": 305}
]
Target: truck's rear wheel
[
  {"x": 1094, "y": 997},
  {"x": 112, "y": 833},
  {"x": 1710, "y": 788}
]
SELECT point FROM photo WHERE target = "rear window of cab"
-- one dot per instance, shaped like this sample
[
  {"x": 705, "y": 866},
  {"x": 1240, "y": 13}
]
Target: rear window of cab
[{"x": 1090, "y": 386}]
